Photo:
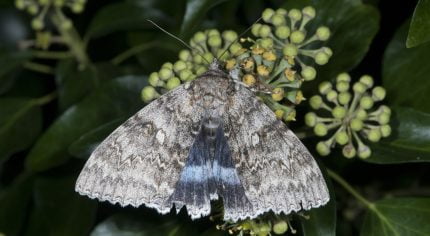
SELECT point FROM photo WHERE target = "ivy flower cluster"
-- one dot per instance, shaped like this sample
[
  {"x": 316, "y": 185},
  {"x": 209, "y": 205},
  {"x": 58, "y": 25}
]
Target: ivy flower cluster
[
  {"x": 352, "y": 117},
  {"x": 41, "y": 8}
]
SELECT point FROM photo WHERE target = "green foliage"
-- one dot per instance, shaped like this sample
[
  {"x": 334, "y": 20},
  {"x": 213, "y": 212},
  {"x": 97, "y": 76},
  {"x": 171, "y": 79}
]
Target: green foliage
[{"x": 66, "y": 85}]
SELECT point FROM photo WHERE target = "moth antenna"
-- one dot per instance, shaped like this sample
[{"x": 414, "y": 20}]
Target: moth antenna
[
  {"x": 180, "y": 40},
  {"x": 238, "y": 38}
]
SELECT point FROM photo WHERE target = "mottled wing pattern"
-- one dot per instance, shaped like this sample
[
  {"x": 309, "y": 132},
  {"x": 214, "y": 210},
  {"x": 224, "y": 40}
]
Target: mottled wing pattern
[
  {"x": 140, "y": 162},
  {"x": 276, "y": 170}
]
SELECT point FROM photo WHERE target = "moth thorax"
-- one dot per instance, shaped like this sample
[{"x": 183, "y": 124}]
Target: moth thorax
[{"x": 210, "y": 127}]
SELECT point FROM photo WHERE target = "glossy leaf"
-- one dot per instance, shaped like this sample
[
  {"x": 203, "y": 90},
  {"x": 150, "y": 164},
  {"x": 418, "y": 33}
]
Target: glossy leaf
[
  {"x": 14, "y": 203},
  {"x": 398, "y": 217},
  {"x": 73, "y": 83},
  {"x": 117, "y": 98},
  {"x": 10, "y": 61},
  {"x": 124, "y": 16},
  {"x": 194, "y": 13},
  {"x": 353, "y": 26},
  {"x": 409, "y": 141},
  {"x": 419, "y": 30},
  {"x": 405, "y": 73},
  {"x": 60, "y": 204},
  {"x": 21, "y": 124},
  {"x": 85, "y": 145}
]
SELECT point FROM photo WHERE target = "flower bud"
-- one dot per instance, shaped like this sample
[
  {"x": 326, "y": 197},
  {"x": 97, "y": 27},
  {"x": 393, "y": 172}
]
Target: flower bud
[
  {"x": 167, "y": 65},
  {"x": 339, "y": 112},
  {"x": 37, "y": 24},
  {"x": 280, "y": 227},
  {"x": 359, "y": 88},
  {"x": 331, "y": 96},
  {"x": 309, "y": 12},
  {"x": 267, "y": 14},
  {"x": 342, "y": 86},
  {"x": 179, "y": 65},
  {"x": 20, "y": 4},
  {"x": 290, "y": 50},
  {"x": 383, "y": 118},
  {"x": 290, "y": 115},
  {"x": 173, "y": 83},
  {"x": 311, "y": 119},
  {"x": 199, "y": 37},
  {"x": 349, "y": 151},
  {"x": 321, "y": 58},
  {"x": 249, "y": 79},
  {"x": 356, "y": 124},
  {"x": 148, "y": 93},
  {"x": 343, "y": 77},
  {"x": 385, "y": 130},
  {"x": 282, "y": 31},
  {"x": 76, "y": 7},
  {"x": 320, "y": 129},
  {"x": 308, "y": 73},
  {"x": 154, "y": 79},
  {"x": 186, "y": 75},
  {"x": 344, "y": 98},
  {"x": 323, "y": 148},
  {"x": 385, "y": 109},
  {"x": 229, "y": 35},
  {"x": 361, "y": 114},
  {"x": 279, "y": 114},
  {"x": 255, "y": 29},
  {"x": 378, "y": 93},
  {"x": 295, "y": 15},
  {"x": 324, "y": 87},
  {"x": 215, "y": 41},
  {"x": 264, "y": 31},
  {"x": 263, "y": 70},
  {"x": 297, "y": 36},
  {"x": 269, "y": 56},
  {"x": 374, "y": 135},
  {"x": 278, "y": 94},
  {"x": 364, "y": 151},
  {"x": 366, "y": 102},
  {"x": 323, "y": 33},
  {"x": 33, "y": 9},
  {"x": 165, "y": 73},
  {"x": 278, "y": 20},
  {"x": 342, "y": 137},
  {"x": 367, "y": 80},
  {"x": 315, "y": 102},
  {"x": 184, "y": 55},
  {"x": 266, "y": 43},
  {"x": 281, "y": 11}
]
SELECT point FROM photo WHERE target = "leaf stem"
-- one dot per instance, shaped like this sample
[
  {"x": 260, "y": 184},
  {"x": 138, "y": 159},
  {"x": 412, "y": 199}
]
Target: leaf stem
[
  {"x": 45, "y": 99},
  {"x": 38, "y": 67},
  {"x": 51, "y": 55}
]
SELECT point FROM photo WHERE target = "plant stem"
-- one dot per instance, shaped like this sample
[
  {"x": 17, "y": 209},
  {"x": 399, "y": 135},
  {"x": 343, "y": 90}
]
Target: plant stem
[
  {"x": 39, "y": 68},
  {"x": 51, "y": 55},
  {"x": 46, "y": 99},
  {"x": 131, "y": 52}
]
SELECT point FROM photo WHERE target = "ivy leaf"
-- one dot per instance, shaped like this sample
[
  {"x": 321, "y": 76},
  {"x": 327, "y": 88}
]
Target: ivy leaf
[
  {"x": 85, "y": 145},
  {"x": 60, "y": 205},
  {"x": 405, "y": 73},
  {"x": 419, "y": 31},
  {"x": 124, "y": 16},
  {"x": 21, "y": 124},
  {"x": 194, "y": 12},
  {"x": 117, "y": 98},
  {"x": 398, "y": 217},
  {"x": 353, "y": 26},
  {"x": 10, "y": 62},
  {"x": 14, "y": 202}
]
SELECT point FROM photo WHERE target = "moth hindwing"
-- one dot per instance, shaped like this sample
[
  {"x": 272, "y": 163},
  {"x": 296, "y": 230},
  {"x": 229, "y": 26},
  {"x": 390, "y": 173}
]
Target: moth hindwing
[{"x": 209, "y": 139}]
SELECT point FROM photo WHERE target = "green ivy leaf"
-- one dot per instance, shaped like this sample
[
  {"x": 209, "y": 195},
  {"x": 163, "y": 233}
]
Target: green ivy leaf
[
  {"x": 14, "y": 202},
  {"x": 72, "y": 83},
  {"x": 322, "y": 220},
  {"x": 124, "y": 16},
  {"x": 353, "y": 26},
  {"x": 194, "y": 13},
  {"x": 21, "y": 123},
  {"x": 398, "y": 217},
  {"x": 64, "y": 212},
  {"x": 409, "y": 141},
  {"x": 117, "y": 98},
  {"x": 419, "y": 31},
  {"x": 10, "y": 61},
  {"x": 405, "y": 73},
  {"x": 85, "y": 145}
]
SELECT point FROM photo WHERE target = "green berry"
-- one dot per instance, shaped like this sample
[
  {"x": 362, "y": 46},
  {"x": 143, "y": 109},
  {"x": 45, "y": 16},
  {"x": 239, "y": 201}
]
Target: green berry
[
  {"x": 315, "y": 102},
  {"x": 290, "y": 50},
  {"x": 338, "y": 112},
  {"x": 280, "y": 227},
  {"x": 385, "y": 130},
  {"x": 309, "y": 12},
  {"x": 229, "y": 35},
  {"x": 255, "y": 29},
  {"x": 311, "y": 119},
  {"x": 37, "y": 24},
  {"x": 349, "y": 151},
  {"x": 154, "y": 79},
  {"x": 212, "y": 32},
  {"x": 173, "y": 83},
  {"x": 281, "y": 12},
  {"x": 325, "y": 87},
  {"x": 167, "y": 65},
  {"x": 342, "y": 86},
  {"x": 199, "y": 37},
  {"x": 266, "y": 43},
  {"x": 378, "y": 93},
  {"x": 200, "y": 70},
  {"x": 359, "y": 88},
  {"x": 383, "y": 118},
  {"x": 323, "y": 33},
  {"x": 364, "y": 151},
  {"x": 308, "y": 73},
  {"x": 356, "y": 124},
  {"x": 282, "y": 32},
  {"x": 184, "y": 55},
  {"x": 20, "y": 4},
  {"x": 148, "y": 93},
  {"x": 374, "y": 135},
  {"x": 33, "y": 9},
  {"x": 367, "y": 80},
  {"x": 320, "y": 129},
  {"x": 366, "y": 102},
  {"x": 361, "y": 114},
  {"x": 295, "y": 15},
  {"x": 385, "y": 109},
  {"x": 328, "y": 51},
  {"x": 331, "y": 96},
  {"x": 323, "y": 148},
  {"x": 264, "y": 31},
  {"x": 278, "y": 20},
  {"x": 77, "y": 7},
  {"x": 344, "y": 98},
  {"x": 342, "y": 137},
  {"x": 343, "y": 77},
  {"x": 267, "y": 14},
  {"x": 165, "y": 73},
  {"x": 185, "y": 75},
  {"x": 66, "y": 24},
  {"x": 179, "y": 65},
  {"x": 215, "y": 41},
  {"x": 297, "y": 36},
  {"x": 321, "y": 58}
]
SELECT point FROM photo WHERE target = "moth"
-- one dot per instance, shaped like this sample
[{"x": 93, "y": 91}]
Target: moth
[{"x": 208, "y": 139}]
